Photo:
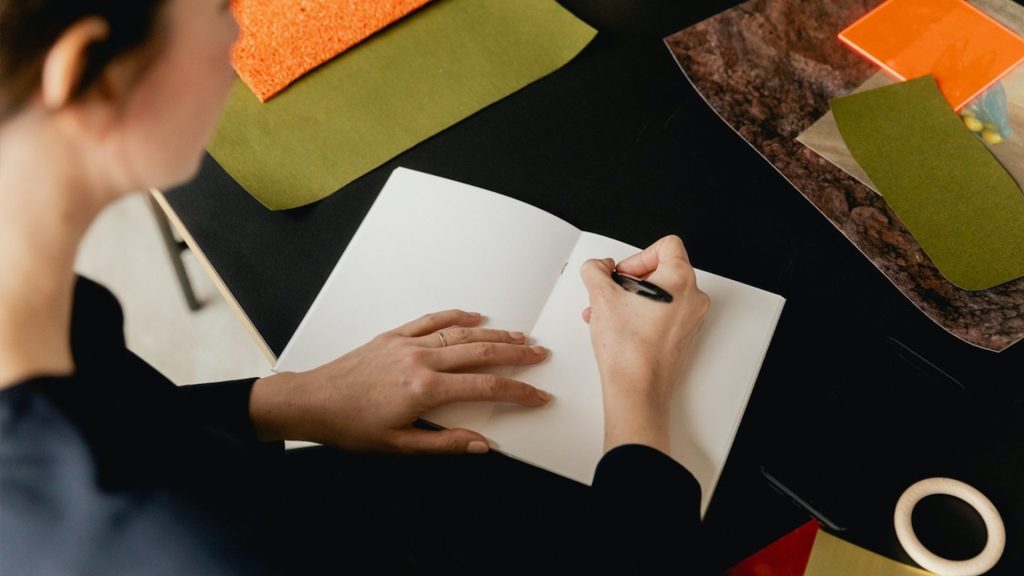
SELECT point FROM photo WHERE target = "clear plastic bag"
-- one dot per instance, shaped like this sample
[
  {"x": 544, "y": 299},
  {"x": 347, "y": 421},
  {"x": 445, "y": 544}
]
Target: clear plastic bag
[{"x": 987, "y": 115}]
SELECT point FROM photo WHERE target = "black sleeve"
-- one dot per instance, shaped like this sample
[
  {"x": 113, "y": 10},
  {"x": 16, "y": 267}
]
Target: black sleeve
[
  {"x": 252, "y": 470},
  {"x": 100, "y": 354},
  {"x": 224, "y": 406},
  {"x": 647, "y": 507}
]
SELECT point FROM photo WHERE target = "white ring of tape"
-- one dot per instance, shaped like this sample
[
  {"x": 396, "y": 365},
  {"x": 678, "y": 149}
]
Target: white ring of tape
[{"x": 981, "y": 563}]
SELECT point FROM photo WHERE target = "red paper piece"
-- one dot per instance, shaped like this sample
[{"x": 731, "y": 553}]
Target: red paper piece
[{"x": 787, "y": 556}]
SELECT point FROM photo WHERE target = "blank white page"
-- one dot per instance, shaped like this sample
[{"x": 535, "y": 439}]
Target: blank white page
[{"x": 430, "y": 244}]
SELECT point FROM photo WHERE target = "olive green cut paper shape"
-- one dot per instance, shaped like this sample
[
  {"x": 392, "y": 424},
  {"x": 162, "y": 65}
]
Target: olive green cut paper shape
[
  {"x": 411, "y": 81},
  {"x": 956, "y": 199}
]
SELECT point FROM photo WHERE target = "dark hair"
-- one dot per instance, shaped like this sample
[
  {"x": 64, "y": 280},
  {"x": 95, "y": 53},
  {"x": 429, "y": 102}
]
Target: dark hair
[{"x": 29, "y": 28}]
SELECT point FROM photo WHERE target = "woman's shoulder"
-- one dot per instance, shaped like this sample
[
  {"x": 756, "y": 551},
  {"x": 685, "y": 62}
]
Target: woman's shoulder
[
  {"x": 95, "y": 302},
  {"x": 97, "y": 325}
]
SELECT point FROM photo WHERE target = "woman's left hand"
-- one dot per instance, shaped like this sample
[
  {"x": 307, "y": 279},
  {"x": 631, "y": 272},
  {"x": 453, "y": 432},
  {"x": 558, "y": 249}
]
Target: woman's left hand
[{"x": 369, "y": 398}]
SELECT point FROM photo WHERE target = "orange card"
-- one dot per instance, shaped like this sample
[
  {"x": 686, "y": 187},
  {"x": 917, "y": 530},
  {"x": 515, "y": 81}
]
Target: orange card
[
  {"x": 962, "y": 47},
  {"x": 280, "y": 40}
]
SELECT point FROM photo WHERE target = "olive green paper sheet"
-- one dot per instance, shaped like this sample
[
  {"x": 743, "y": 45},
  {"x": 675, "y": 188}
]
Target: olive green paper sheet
[
  {"x": 413, "y": 80},
  {"x": 956, "y": 199},
  {"x": 831, "y": 556}
]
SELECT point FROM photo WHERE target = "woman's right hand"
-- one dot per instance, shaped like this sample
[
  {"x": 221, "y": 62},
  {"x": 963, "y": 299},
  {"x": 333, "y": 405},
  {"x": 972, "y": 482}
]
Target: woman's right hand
[{"x": 642, "y": 346}]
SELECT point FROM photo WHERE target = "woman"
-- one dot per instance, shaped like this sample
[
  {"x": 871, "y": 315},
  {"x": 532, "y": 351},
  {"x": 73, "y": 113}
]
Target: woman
[{"x": 109, "y": 468}]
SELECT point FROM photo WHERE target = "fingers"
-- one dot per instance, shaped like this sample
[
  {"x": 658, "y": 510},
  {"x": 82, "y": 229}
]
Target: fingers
[
  {"x": 461, "y": 335},
  {"x": 665, "y": 249},
  {"x": 454, "y": 441},
  {"x": 597, "y": 275},
  {"x": 485, "y": 387},
  {"x": 437, "y": 320},
  {"x": 665, "y": 263},
  {"x": 479, "y": 354}
]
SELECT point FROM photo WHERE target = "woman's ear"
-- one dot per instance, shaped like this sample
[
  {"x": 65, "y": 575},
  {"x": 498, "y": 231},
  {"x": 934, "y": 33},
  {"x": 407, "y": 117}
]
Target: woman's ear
[{"x": 65, "y": 62}]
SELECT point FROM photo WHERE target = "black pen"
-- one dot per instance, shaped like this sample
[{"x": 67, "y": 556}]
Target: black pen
[{"x": 641, "y": 287}]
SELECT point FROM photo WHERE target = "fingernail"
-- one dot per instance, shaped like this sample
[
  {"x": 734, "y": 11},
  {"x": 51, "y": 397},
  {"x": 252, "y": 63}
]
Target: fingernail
[
  {"x": 477, "y": 447},
  {"x": 539, "y": 350},
  {"x": 476, "y": 315},
  {"x": 517, "y": 336},
  {"x": 543, "y": 395}
]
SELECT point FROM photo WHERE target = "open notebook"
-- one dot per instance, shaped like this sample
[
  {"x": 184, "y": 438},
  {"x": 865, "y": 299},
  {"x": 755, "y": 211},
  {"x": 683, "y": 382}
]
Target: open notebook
[{"x": 429, "y": 244}]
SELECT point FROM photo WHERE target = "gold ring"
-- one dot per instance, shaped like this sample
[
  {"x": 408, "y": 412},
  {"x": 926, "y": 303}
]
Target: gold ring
[{"x": 443, "y": 341}]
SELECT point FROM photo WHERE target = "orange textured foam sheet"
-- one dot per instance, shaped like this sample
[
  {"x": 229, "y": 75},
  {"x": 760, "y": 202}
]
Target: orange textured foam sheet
[
  {"x": 280, "y": 40},
  {"x": 962, "y": 47}
]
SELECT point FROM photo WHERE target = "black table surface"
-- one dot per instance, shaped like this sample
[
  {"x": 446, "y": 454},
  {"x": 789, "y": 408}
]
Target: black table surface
[{"x": 618, "y": 143}]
